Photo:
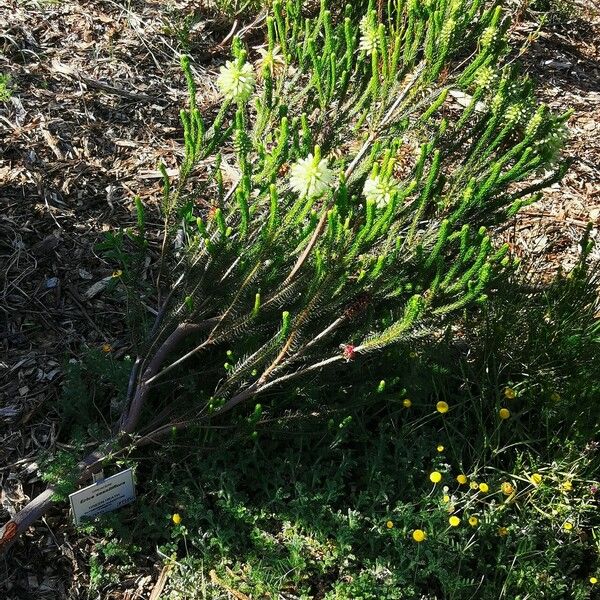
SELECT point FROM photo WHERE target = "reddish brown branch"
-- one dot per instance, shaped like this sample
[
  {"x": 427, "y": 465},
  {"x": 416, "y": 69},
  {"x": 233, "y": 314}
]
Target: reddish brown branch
[{"x": 131, "y": 416}]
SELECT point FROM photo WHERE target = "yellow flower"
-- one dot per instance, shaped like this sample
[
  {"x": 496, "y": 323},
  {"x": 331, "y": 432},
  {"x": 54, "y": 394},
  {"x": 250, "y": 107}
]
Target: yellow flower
[
  {"x": 419, "y": 535},
  {"x": 504, "y": 413},
  {"x": 568, "y": 526},
  {"x": 473, "y": 521},
  {"x": 507, "y": 488},
  {"x": 117, "y": 273},
  {"x": 176, "y": 518},
  {"x": 566, "y": 486},
  {"x": 593, "y": 580},
  {"x": 510, "y": 393},
  {"x": 440, "y": 448},
  {"x": 435, "y": 477},
  {"x": 106, "y": 348},
  {"x": 502, "y": 531},
  {"x": 474, "y": 485},
  {"x": 454, "y": 521},
  {"x": 555, "y": 396},
  {"x": 389, "y": 524},
  {"x": 484, "y": 487},
  {"x": 446, "y": 498},
  {"x": 442, "y": 407},
  {"x": 462, "y": 479},
  {"x": 536, "y": 479},
  {"x": 407, "y": 403}
]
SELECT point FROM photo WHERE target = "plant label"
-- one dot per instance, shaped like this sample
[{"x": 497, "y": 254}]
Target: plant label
[{"x": 104, "y": 496}]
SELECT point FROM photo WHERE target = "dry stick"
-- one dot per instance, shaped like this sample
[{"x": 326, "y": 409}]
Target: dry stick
[{"x": 37, "y": 507}]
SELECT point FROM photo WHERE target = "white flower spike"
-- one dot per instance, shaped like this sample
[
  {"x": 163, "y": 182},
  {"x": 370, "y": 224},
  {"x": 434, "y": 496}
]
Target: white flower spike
[
  {"x": 236, "y": 82},
  {"x": 311, "y": 176},
  {"x": 369, "y": 37},
  {"x": 379, "y": 190}
]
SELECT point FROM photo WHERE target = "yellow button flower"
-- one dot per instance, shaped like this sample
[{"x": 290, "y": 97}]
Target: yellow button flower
[
  {"x": 407, "y": 403},
  {"x": 442, "y": 407},
  {"x": 435, "y": 477},
  {"x": 117, "y": 273},
  {"x": 440, "y": 448},
  {"x": 454, "y": 521},
  {"x": 555, "y": 397},
  {"x": 419, "y": 535},
  {"x": 106, "y": 348},
  {"x": 593, "y": 580},
  {"x": 176, "y": 518},
  {"x": 568, "y": 526},
  {"x": 504, "y": 413},
  {"x": 566, "y": 486},
  {"x": 507, "y": 488},
  {"x": 446, "y": 498},
  {"x": 484, "y": 487},
  {"x": 536, "y": 479},
  {"x": 389, "y": 524},
  {"x": 502, "y": 531},
  {"x": 510, "y": 393},
  {"x": 473, "y": 521},
  {"x": 462, "y": 479}
]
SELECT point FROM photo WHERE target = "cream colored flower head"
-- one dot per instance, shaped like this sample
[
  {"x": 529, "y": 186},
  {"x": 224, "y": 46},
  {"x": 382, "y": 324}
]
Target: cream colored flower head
[
  {"x": 379, "y": 190},
  {"x": 368, "y": 36},
  {"x": 236, "y": 82},
  {"x": 311, "y": 176},
  {"x": 485, "y": 77}
]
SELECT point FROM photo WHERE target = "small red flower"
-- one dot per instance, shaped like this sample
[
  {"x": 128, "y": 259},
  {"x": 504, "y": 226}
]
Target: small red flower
[{"x": 349, "y": 351}]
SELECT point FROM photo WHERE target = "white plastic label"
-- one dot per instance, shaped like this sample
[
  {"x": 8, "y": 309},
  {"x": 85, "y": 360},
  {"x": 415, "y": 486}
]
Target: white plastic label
[{"x": 106, "y": 495}]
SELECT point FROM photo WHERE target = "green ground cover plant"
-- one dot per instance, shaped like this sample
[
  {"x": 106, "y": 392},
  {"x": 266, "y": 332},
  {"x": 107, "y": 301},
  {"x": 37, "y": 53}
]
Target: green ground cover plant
[
  {"x": 337, "y": 212},
  {"x": 6, "y": 90},
  {"x": 415, "y": 488}
]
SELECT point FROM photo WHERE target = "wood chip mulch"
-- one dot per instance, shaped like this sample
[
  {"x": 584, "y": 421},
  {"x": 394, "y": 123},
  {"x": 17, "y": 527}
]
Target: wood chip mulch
[{"x": 565, "y": 64}]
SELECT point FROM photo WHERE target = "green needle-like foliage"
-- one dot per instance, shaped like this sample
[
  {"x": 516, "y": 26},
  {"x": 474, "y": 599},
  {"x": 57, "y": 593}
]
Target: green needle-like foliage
[{"x": 373, "y": 155}]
